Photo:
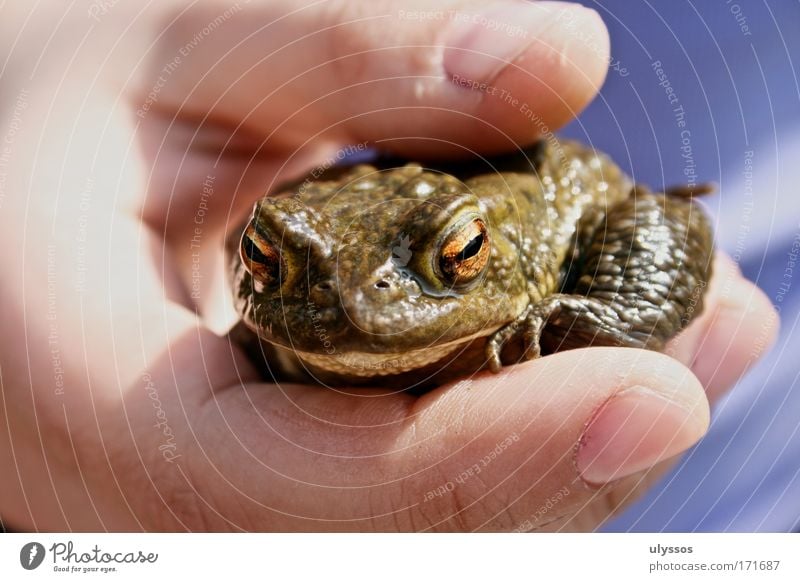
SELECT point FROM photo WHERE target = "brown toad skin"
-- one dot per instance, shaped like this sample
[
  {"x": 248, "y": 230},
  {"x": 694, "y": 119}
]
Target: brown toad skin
[{"x": 578, "y": 257}]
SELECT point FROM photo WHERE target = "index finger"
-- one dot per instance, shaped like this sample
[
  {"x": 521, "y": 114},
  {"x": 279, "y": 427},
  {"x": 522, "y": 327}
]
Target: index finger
[{"x": 402, "y": 75}]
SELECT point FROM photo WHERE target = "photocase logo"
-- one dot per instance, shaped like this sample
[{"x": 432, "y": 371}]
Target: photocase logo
[
  {"x": 401, "y": 253},
  {"x": 31, "y": 555}
]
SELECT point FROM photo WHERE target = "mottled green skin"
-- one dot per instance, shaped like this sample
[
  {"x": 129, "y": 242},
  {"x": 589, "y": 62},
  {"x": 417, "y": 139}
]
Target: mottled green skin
[{"x": 578, "y": 257}]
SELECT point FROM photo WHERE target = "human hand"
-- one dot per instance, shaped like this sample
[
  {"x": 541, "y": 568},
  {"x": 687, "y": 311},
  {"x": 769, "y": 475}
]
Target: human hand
[{"x": 126, "y": 411}]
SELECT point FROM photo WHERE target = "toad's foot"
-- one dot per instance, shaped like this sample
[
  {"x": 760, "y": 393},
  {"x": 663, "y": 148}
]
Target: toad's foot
[
  {"x": 561, "y": 322},
  {"x": 525, "y": 331}
]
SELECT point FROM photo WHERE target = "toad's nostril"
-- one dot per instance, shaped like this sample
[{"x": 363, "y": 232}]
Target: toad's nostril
[
  {"x": 324, "y": 293},
  {"x": 382, "y": 284}
]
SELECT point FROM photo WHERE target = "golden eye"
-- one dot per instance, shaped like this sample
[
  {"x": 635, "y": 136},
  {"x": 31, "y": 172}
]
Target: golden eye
[
  {"x": 260, "y": 257},
  {"x": 465, "y": 253}
]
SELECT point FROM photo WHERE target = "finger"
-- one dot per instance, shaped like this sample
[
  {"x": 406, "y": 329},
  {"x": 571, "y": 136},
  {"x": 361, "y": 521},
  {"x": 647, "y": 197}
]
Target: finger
[
  {"x": 478, "y": 455},
  {"x": 743, "y": 328},
  {"x": 639, "y": 409},
  {"x": 486, "y": 76},
  {"x": 737, "y": 327}
]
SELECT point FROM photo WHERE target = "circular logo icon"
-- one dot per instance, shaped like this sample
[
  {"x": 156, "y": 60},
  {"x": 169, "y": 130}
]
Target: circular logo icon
[{"x": 31, "y": 555}]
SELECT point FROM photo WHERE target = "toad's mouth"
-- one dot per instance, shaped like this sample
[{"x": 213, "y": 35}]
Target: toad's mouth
[{"x": 367, "y": 365}]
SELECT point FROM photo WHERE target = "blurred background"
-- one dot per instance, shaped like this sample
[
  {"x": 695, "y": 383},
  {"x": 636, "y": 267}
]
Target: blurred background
[{"x": 709, "y": 91}]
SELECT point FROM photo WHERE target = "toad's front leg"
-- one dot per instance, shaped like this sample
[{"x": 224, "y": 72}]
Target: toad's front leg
[{"x": 638, "y": 281}]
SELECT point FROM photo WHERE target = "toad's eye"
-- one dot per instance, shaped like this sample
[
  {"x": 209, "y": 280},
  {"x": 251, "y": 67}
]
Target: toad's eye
[
  {"x": 465, "y": 253},
  {"x": 260, "y": 257}
]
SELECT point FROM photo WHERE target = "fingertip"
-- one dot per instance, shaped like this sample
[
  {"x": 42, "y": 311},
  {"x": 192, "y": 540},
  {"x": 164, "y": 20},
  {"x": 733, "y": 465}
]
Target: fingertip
[
  {"x": 634, "y": 430},
  {"x": 743, "y": 328},
  {"x": 649, "y": 408},
  {"x": 556, "y": 69},
  {"x": 498, "y": 77}
]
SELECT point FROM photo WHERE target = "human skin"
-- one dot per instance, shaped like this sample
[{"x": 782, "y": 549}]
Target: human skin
[{"x": 124, "y": 407}]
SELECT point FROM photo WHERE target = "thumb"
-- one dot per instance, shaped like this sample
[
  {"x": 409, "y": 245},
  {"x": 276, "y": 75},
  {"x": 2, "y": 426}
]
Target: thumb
[
  {"x": 537, "y": 442},
  {"x": 483, "y": 75},
  {"x": 570, "y": 433}
]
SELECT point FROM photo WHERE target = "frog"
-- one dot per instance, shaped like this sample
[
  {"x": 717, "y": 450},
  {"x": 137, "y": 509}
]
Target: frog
[{"x": 401, "y": 273}]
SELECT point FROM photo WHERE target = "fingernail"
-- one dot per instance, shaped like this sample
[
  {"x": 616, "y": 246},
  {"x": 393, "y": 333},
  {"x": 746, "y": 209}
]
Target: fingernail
[
  {"x": 634, "y": 430},
  {"x": 478, "y": 45}
]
